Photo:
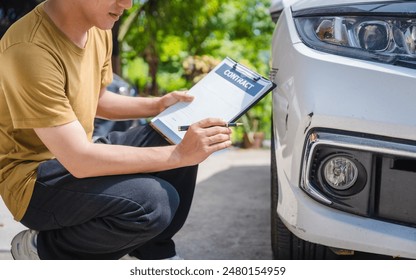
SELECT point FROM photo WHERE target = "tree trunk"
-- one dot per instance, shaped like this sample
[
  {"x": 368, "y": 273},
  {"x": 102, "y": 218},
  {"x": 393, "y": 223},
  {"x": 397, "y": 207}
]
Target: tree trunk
[{"x": 152, "y": 60}]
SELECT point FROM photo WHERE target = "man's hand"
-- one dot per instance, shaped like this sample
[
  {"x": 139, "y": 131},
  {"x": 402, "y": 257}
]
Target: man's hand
[
  {"x": 173, "y": 98},
  {"x": 202, "y": 139}
]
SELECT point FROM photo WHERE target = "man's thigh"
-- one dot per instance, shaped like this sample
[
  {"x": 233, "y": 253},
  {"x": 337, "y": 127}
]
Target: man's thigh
[
  {"x": 141, "y": 136},
  {"x": 61, "y": 200}
]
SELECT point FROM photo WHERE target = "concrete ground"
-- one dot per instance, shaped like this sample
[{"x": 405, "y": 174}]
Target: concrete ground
[{"x": 230, "y": 215}]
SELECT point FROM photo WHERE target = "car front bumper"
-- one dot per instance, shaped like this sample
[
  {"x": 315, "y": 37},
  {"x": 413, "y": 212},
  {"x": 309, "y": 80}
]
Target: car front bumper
[{"x": 323, "y": 91}]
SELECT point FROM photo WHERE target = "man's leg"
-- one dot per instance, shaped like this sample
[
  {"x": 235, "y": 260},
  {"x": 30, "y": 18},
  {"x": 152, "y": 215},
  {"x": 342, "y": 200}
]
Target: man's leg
[
  {"x": 182, "y": 179},
  {"x": 163, "y": 246},
  {"x": 97, "y": 218}
]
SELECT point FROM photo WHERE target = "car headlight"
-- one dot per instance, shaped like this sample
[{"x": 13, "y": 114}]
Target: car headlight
[{"x": 365, "y": 34}]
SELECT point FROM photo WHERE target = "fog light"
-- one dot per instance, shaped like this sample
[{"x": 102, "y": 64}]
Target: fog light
[{"x": 340, "y": 172}]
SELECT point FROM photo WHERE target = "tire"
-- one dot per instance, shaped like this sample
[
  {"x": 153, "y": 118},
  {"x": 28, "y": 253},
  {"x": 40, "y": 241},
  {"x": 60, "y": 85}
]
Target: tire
[{"x": 286, "y": 245}]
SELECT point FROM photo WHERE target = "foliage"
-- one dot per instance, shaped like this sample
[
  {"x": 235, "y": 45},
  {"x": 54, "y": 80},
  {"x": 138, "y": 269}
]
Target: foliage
[
  {"x": 177, "y": 42},
  {"x": 196, "y": 67}
]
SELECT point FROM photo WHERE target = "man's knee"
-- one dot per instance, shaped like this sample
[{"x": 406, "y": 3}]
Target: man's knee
[
  {"x": 156, "y": 205},
  {"x": 164, "y": 203}
]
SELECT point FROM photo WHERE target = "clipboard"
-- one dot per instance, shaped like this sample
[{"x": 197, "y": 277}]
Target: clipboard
[{"x": 227, "y": 92}]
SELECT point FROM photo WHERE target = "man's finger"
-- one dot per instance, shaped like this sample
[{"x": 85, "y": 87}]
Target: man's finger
[
  {"x": 183, "y": 96},
  {"x": 205, "y": 123}
]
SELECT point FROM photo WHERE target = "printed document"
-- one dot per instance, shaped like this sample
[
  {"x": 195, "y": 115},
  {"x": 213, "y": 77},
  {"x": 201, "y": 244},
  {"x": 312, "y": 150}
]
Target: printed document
[{"x": 226, "y": 92}]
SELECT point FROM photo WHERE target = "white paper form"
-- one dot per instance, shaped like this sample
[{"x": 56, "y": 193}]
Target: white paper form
[{"x": 226, "y": 92}]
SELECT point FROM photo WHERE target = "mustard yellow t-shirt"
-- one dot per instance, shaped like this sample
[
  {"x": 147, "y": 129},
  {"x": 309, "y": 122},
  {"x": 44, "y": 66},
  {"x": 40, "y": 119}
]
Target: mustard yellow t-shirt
[{"x": 45, "y": 81}]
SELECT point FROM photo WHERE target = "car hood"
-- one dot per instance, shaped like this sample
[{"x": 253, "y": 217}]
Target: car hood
[{"x": 306, "y": 4}]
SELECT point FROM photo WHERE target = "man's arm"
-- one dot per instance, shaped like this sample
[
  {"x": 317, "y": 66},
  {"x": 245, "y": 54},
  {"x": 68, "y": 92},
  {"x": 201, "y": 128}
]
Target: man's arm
[
  {"x": 118, "y": 107},
  {"x": 81, "y": 158}
]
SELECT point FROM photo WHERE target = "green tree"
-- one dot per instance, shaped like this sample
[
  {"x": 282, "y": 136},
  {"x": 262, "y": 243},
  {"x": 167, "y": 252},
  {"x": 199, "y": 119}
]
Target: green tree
[
  {"x": 165, "y": 33},
  {"x": 166, "y": 45}
]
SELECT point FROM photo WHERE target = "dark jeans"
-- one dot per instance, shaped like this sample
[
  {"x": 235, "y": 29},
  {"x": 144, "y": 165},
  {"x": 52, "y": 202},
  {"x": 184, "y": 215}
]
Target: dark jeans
[{"x": 109, "y": 217}]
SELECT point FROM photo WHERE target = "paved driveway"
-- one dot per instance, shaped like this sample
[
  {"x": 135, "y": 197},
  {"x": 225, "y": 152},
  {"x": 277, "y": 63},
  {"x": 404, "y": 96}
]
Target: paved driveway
[{"x": 230, "y": 215}]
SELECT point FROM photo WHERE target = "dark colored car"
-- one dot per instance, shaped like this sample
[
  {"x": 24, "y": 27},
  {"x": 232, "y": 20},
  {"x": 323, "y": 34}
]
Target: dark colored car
[{"x": 101, "y": 126}]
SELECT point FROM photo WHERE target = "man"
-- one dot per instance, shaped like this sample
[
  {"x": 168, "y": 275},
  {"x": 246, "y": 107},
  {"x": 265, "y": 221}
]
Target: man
[{"x": 128, "y": 193}]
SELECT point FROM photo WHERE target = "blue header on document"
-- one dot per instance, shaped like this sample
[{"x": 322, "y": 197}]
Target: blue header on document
[{"x": 247, "y": 84}]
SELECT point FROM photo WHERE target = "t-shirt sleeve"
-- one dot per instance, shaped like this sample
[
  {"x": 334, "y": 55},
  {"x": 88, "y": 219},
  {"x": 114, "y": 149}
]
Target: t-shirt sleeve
[{"x": 34, "y": 87}]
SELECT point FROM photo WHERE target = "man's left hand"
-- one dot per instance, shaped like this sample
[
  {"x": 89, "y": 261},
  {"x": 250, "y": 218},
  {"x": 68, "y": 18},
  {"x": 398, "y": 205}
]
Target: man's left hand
[{"x": 173, "y": 98}]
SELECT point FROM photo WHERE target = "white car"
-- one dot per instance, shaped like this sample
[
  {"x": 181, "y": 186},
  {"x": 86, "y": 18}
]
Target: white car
[{"x": 344, "y": 128}]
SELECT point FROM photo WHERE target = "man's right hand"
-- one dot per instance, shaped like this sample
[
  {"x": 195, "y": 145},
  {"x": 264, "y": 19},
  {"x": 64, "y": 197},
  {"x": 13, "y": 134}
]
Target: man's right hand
[{"x": 202, "y": 139}]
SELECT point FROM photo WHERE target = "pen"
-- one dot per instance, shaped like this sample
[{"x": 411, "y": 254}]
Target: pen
[{"x": 185, "y": 127}]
